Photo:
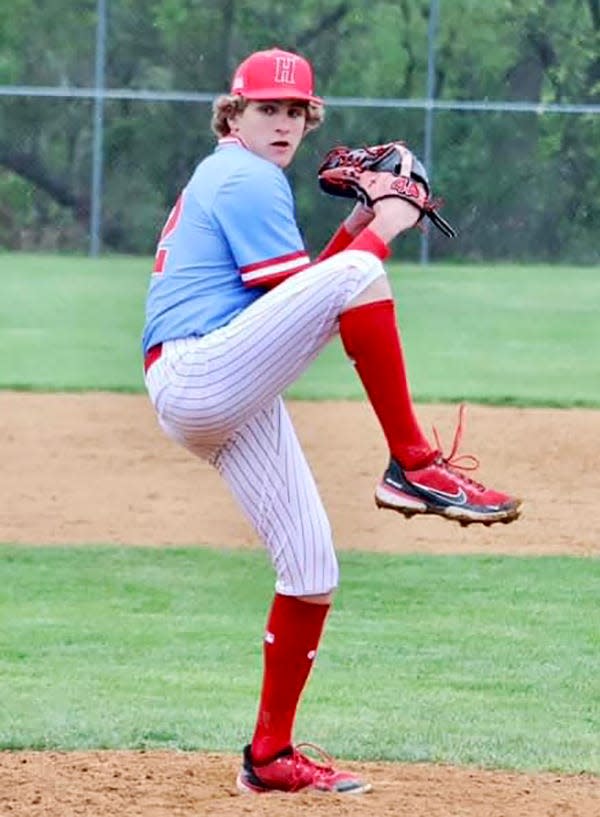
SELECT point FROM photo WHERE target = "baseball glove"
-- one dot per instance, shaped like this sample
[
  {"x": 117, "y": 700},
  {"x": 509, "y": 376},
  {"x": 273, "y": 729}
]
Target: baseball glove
[{"x": 378, "y": 172}]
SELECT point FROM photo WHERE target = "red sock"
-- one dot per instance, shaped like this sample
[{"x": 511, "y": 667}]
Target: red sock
[
  {"x": 372, "y": 341},
  {"x": 293, "y": 632}
]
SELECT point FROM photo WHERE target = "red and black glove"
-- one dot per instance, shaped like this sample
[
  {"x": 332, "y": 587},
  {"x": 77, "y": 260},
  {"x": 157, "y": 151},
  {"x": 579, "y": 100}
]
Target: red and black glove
[{"x": 378, "y": 172}]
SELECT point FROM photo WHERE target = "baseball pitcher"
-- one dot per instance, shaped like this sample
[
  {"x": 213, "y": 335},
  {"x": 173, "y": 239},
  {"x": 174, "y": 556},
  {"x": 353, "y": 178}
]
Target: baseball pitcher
[{"x": 236, "y": 311}]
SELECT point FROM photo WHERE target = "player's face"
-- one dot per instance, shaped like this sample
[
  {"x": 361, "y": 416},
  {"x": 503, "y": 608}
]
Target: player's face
[{"x": 272, "y": 128}]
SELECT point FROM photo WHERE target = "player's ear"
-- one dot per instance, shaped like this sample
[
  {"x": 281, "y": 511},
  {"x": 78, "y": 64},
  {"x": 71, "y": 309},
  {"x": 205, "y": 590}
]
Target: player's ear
[{"x": 232, "y": 122}]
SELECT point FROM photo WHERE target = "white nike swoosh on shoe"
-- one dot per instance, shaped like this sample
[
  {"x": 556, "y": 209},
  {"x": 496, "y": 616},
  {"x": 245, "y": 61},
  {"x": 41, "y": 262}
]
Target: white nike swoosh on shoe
[
  {"x": 459, "y": 498},
  {"x": 395, "y": 484}
]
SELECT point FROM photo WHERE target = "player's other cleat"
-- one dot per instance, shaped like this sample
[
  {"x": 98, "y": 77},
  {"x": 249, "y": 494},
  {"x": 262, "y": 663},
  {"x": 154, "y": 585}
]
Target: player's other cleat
[
  {"x": 293, "y": 771},
  {"x": 440, "y": 488}
]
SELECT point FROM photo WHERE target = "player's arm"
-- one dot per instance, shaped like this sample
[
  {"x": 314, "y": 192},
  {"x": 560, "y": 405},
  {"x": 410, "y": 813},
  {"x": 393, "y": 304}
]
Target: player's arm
[
  {"x": 349, "y": 229},
  {"x": 256, "y": 214}
]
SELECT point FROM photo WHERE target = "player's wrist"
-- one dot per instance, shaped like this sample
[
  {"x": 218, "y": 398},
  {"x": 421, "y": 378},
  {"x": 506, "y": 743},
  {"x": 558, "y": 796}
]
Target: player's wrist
[
  {"x": 393, "y": 216},
  {"x": 360, "y": 217}
]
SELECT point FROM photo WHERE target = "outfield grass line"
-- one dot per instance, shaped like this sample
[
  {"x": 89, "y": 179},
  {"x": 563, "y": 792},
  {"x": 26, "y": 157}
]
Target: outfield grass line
[{"x": 306, "y": 396}]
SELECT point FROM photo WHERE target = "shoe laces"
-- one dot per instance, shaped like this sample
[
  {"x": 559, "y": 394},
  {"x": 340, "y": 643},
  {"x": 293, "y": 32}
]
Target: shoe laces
[
  {"x": 325, "y": 760},
  {"x": 300, "y": 762},
  {"x": 458, "y": 463}
]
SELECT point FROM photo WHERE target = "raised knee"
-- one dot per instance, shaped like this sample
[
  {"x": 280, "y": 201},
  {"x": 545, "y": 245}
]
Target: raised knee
[{"x": 360, "y": 259}]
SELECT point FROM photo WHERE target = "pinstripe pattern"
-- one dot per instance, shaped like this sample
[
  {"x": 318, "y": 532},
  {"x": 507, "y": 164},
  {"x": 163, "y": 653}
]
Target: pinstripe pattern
[
  {"x": 219, "y": 397},
  {"x": 267, "y": 472}
]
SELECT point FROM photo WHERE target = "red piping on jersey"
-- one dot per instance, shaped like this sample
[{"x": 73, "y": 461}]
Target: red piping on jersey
[
  {"x": 274, "y": 270},
  {"x": 233, "y": 140},
  {"x": 270, "y": 262},
  {"x": 271, "y": 281}
]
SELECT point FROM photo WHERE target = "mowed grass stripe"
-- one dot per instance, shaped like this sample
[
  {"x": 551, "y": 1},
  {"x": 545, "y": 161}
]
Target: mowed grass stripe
[{"x": 467, "y": 660}]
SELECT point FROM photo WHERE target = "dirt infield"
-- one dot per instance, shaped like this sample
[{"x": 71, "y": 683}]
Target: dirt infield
[
  {"x": 157, "y": 784},
  {"x": 95, "y": 469}
]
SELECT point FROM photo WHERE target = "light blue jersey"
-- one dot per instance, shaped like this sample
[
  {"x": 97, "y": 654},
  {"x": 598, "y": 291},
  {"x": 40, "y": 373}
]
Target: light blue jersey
[{"x": 231, "y": 234}]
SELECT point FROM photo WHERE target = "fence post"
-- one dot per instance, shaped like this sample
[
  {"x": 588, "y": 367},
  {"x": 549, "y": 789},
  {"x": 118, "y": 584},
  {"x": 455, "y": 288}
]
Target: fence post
[
  {"x": 98, "y": 128},
  {"x": 428, "y": 147}
]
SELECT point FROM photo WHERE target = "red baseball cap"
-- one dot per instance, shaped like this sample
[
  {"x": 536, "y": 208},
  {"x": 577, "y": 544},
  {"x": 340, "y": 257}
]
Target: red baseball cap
[{"x": 275, "y": 74}]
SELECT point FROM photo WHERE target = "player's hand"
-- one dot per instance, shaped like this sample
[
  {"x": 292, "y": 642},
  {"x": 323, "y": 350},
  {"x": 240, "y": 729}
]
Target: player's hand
[
  {"x": 392, "y": 217},
  {"x": 399, "y": 214}
]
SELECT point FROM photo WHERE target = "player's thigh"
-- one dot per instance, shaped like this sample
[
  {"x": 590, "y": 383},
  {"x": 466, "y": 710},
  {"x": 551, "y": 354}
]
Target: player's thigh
[
  {"x": 267, "y": 472},
  {"x": 282, "y": 332},
  {"x": 216, "y": 383}
]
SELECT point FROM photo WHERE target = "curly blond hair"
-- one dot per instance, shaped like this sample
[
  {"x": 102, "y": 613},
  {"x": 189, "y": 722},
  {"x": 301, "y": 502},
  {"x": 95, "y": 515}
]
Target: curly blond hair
[{"x": 228, "y": 105}]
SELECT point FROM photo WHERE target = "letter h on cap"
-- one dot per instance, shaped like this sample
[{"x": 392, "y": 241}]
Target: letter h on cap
[{"x": 285, "y": 68}]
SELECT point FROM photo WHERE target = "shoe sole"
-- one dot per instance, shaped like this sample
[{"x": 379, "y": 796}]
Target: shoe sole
[
  {"x": 410, "y": 506},
  {"x": 244, "y": 787}
]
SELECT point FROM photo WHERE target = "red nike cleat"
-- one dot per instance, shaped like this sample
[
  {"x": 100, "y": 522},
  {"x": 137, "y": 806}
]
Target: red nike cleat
[
  {"x": 440, "y": 488},
  {"x": 292, "y": 771}
]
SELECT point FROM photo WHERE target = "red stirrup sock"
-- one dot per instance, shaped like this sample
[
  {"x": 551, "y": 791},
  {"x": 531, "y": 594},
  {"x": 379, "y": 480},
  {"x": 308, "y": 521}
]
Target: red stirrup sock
[
  {"x": 372, "y": 341},
  {"x": 293, "y": 633}
]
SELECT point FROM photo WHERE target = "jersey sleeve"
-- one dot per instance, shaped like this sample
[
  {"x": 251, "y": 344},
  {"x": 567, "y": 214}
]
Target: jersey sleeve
[{"x": 255, "y": 210}]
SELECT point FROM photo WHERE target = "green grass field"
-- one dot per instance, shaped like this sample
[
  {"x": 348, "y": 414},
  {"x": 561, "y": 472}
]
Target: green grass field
[
  {"x": 499, "y": 334},
  {"x": 488, "y": 661},
  {"x": 470, "y": 660}
]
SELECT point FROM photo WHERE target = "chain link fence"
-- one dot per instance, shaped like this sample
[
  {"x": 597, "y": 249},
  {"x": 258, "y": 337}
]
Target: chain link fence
[{"x": 95, "y": 169}]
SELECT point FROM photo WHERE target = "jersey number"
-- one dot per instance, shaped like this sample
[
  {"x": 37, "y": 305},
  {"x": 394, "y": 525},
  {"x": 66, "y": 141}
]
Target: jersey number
[{"x": 160, "y": 259}]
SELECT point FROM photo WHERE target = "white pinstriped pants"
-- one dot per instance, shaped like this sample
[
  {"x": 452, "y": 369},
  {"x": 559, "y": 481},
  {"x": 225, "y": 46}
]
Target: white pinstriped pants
[{"x": 219, "y": 397}]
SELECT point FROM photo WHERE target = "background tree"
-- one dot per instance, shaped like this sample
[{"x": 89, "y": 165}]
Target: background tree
[{"x": 517, "y": 185}]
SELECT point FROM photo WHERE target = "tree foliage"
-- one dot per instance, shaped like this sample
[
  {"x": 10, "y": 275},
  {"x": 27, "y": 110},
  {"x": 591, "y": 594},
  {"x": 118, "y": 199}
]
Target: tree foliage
[{"x": 518, "y": 185}]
